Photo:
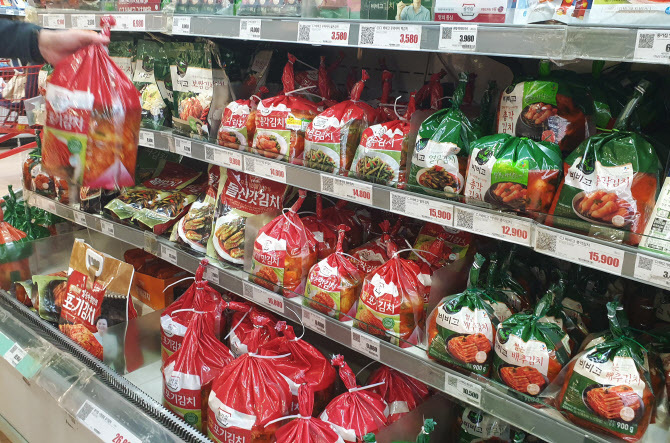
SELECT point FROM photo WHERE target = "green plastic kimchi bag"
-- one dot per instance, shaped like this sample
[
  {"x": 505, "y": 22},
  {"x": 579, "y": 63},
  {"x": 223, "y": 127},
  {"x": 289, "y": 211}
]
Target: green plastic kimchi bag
[
  {"x": 154, "y": 110},
  {"x": 513, "y": 172},
  {"x": 122, "y": 52},
  {"x": 443, "y": 143}
]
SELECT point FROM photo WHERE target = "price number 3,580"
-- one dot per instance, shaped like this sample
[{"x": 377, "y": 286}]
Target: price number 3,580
[{"x": 409, "y": 38}]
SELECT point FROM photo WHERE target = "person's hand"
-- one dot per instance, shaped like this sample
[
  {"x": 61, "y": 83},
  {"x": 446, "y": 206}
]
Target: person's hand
[
  {"x": 400, "y": 7},
  {"x": 56, "y": 45}
]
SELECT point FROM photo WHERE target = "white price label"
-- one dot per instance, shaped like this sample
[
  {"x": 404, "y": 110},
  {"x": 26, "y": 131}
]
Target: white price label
[
  {"x": 365, "y": 344},
  {"x": 577, "y": 250},
  {"x": 390, "y": 36},
  {"x": 250, "y": 29},
  {"x": 80, "y": 218},
  {"x": 103, "y": 425},
  {"x": 83, "y": 21},
  {"x": 653, "y": 270},
  {"x": 422, "y": 208},
  {"x": 181, "y": 25},
  {"x": 264, "y": 297},
  {"x": 169, "y": 254},
  {"x": 652, "y": 45},
  {"x": 229, "y": 159},
  {"x": 147, "y": 138},
  {"x": 493, "y": 225},
  {"x": 182, "y": 147},
  {"x": 15, "y": 354},
  {"x": 347, "y": 189},
  {"x": 54, "y": 21},
  {"x": 457, "y": 38},
  {"x": 150, "y": 242},
  {"x": 314, "y": 321},
  {"x": 212, "y": 274},
  {"x": 107, "y": 228},
  {"x": 463, "y": 389},
  {"x": 324, "y": 33},
  {"x": 265, "y": 168},
  {"x": 130, "y": 22},
  {"x": 48, "y": 205}
]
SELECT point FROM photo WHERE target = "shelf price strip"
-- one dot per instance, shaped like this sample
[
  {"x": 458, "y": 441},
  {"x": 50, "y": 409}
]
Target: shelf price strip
[
  {"x": 181, "y": 25},
  {"x": 147, "y": 139},
  {"x": 653, "y": 270},
  {"x": 54, "y": 21},
  {"x": 493, "y": 225},
  {"x": 653, "y": 45},
  {"x": 107, "y": 228},
  {"x": 263, "y": 297},
  {"x": 223, "y": 157},
  {"x": 422, "y": 208},
  {"x": 104, "y": 426},
  {"x": 130, "y": 22},
  {"x": 265, "y": 168},
  {"x": 390, "y": 36},
  {"x": 169, "y": 254},
  {"x": 212, "y": 274},
  {"x": 463, "y": 389},
  {"x": 250, "y": 29},
  {"x": 347, "y": 189},
  {"x": 182, "y": 147},
  {"x": 323, "y": 33},
  {"x": 80, "y": 219},
  {"x": 83, "y": 21},
  {"x": 314, "y": 321},
  {"x": 457, "y": 38},
  {"x": 365, "y": 344}
]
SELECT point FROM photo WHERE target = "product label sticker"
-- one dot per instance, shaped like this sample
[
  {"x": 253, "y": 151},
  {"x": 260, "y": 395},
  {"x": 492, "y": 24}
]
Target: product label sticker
[
  {"x": 462, "y": 389},
  {"x": 147, "y": 138},
  {"x": 83, "y": 21},
  {"x": 250, "y": 29},
  {"x": 390, "y": 36},
  {"x": 652, "y": 45},
  {"x": 347, "y": 189},
  {"x": 103, "y": 425},
  {"x": 181, "y": 25},
  {"x": 314, "y": 321},
  {"x": 365, "y": 344},
  {"x": 460, "y": 38},
  {"x": 323, "y": 33}
]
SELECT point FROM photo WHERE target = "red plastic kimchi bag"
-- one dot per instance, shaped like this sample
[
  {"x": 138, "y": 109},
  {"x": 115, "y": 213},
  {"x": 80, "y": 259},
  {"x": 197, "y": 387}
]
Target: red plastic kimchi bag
[
  {"x": 303, "y": 363},
  {"x": 176, "y": 317},
  {"x": 385, "y": 110},
  {"x": 340, "y": 215},
  {"x": 247, "y": 395},
  {"x": 238, "y": 124},
  {"x": 188, "y": 373},
  {"x": 372, "y": 255},
  {"x": 93, "y": 120},
  {"x": 250, "y": 329},
  {"x": 401, "y": 392},
  {"x": 307, "y": 429},
  {"x": 322, "y": 229},
  {"x": 357, "y": 412},
  {"x": 284, "y": 252}
]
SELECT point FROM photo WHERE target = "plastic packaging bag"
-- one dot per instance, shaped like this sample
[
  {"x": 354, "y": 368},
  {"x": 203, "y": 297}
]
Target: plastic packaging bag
[
  {"x": 476, "y": 426},
  {"x": 373, "y": 254},
  {"x": 340, "y": 215},
  {"x": 93, "y": 120},
  {"x": 307, "y": 429},
  {"x": 238, "y": 124},
  {"x": 401, "y": 392},
  {"x": 250, "y": 329},
  {"x": 453, "y": 247},
  {"x": 323, "y": 230}
]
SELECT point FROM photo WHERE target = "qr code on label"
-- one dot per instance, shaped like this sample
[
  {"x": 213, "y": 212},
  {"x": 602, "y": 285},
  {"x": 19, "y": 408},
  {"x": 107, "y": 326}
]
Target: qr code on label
[
  {"x": 356, "y": 338},
  {"x": 398, "y": 203},
  {"x": 250, "y": 165},
  {"x": 446, "y": 33},
  {"x": 327, "y": 184},
  {"x": 85, "y": 411},
  {"x": 367, "y": 35},
  {"x": 452, "y": 381},
  {"x": 645, "y": 262},
  {"x": 464, "y": 219},
  {"x": 243, "y": 25},
  {"x": 646, "y": 41},
  {"x": 545, "y": 242},
  {"x": 209, "y": 154},
  {"x": 303, "y": 33}
]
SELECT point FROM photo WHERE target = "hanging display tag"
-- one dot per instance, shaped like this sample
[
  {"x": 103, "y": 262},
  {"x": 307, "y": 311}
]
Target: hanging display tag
[
  {"x": 347, "y": 189},
  {"x": 422, "y": 208},
  {"x": 457, "y": 38},
  {"x": 390, "y": 36},
  {"x": 323, "y": 33}
]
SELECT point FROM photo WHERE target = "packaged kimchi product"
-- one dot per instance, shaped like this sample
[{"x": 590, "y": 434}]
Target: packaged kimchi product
[
  {"x": 513, "y": 172},
  {"x": 50, "y": 295},
  {"x": 356, "y": 412},
  {"x": 122, "y": 52},
  {"x": 331, "y": 138},
  {"x": 373, "y": 254},
  {"x": 340, "y": 215},
  {"x": 238, "y": 124},
  {"x": 165, "y": 212},
  {"x": 323, "y": 230},
  {"x": 300, "y": 363},
  {"x": 284, "y": 252},
  {"x": 442, "y": 146},
  {"x": 240, "y": 196},
  {"x": 611, "y": 180},
  {"x": 567, "y": 11},
  {"x": 334, "y": 284},
  {"x": 608, "y": 387},
  {"x": 385, "y": 111},
  {"x": 97, "y": 297},
  {"x": 93, "y": 120},
  {"x": 188, "y": 373},
  {"x": 307, "y": 429},
  {"x": 401, "y": 392},
  {"x": 155, "y": 112},
  {"x": 453, "y": 245},
  {"x": 392, "y": 301},
  {"x": 14, "y": 253},
  {"x": 250, "y": 329},
  {"x": 498, "y": 279},
  {"x": 476, "y": 426},
  {"x": 247, "y": 395},
  {"x": 529, "y": 352},
  {"x": 461, "y": 328},
  {"x": 281, "y": 122}
]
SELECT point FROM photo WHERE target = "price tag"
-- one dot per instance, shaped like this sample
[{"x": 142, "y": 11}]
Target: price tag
[
  {"x": 169, "y": 254},
  {"x": 365, "y": 344},
  {"x": 83, "y": 21},
  {"x": 150, "y": 242},
  {"x": 347, "y": 189},
  {"x": 493, "y": 225},
  {"x": 263, "y": 297},
  {"x": 463, "y": 389},
  {"x": 323, "y": 33},
  {"x": 103, "y": 425},
  {"x": 390, "y": 36},
  {"x": 422, "y": 208},
  {"x": 229, "y": 159},
  {"x": 54, "y": 21},
  {"x": 265, "y": 168},
  {"x": 147, "y": 138},
  {"x": 577, "y": 250},
  {"x": 130, "y": 22},
  {"x": 15, "y": 354},
  {"x": 457, "y": 38},
  {"x": 652, "y": 45},
  {"x": 48, "y": 205},
  {"x": 181, "y": 25},
  {"x": 652, "y": 270},
  {"x": 314, "y": 321},
  {"x": 250, "y": 29},
  {"x": 107, "y": 228},
  {"x": 182, "y": 147},
  {"x": 212, "y": 274},
  {"x": 80, "y": 218}
]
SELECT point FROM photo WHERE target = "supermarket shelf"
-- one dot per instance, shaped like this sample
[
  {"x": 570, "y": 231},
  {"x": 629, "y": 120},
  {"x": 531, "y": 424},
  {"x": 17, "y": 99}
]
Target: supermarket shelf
[
  {"x": 556, "y": 42},
  {"x": 631, "y": 263},
  {"x": 8, "y": 10},
  {"x": 478, "y": 392}
]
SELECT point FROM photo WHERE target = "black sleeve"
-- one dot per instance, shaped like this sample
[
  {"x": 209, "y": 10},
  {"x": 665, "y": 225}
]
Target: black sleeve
[{"x": 19, "y": 40}]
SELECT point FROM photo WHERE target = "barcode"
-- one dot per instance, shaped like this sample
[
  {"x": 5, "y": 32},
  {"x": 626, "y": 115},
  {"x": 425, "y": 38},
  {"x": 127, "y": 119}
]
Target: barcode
[
  {"x": 645, "y": 263},
  {"x": 250, "y": 165},
  {"x": 659, "y": 225},
  {"x": 452, "y": 381},
  {"x": 303, "y": 33},
  {"x": 17, "y": 356},
  {"x": 446, "y": 33},
  {"x": 545, "y": 242},
  {"x": 85, "y": 411},
  {"x": 209, "y": 152},
  {"x": 367, "y": 35},
  {"x": 646, "y": 41},
  {"x": 464, "y": 219},
  {"x": 398, "y": 203},
  {"x": 327, "y": 184}
]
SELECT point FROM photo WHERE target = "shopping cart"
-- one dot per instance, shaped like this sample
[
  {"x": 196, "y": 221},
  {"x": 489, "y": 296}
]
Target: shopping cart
[{"x": 18, "y": 91}]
